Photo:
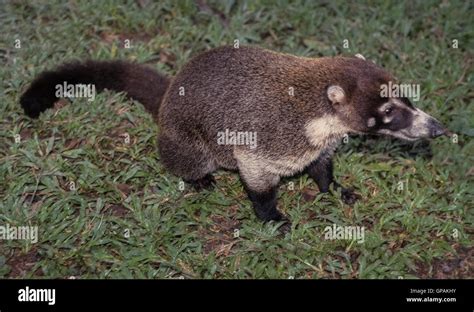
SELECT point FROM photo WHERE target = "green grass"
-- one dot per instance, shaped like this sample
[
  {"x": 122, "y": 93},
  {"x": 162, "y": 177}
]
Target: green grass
[{"x": 128, "y": 218}]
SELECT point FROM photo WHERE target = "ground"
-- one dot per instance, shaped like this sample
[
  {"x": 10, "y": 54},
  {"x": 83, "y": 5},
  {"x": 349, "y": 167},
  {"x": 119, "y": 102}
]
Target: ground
[{"x": 129, "y": 218}]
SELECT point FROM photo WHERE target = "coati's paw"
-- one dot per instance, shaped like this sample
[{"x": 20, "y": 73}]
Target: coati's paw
[
  {"x": 285, "y": 227},
  {"x": 206, "y": 183},
  {"x": 348, "y": 196},
  {"x": 285, "y": 223}
]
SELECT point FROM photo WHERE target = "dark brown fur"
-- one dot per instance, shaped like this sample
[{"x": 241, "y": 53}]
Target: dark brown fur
[{"x": 139, "y": 82}]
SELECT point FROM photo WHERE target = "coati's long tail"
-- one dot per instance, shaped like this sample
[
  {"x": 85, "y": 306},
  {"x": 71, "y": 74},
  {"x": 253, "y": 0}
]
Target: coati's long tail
[{"x": 139, "y": 82}]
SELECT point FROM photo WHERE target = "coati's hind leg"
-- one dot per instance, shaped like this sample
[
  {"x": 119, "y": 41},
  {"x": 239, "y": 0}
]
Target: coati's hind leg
[
  {"x": 188, "y": 161},
  {"x": 321, "y": 171}
]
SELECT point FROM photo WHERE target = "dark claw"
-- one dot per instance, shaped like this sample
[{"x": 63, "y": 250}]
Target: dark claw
[
  {"x": 206, "y": 183},
  {"x": 285, "y": 227},
  {"x": 348, "y": 196}
]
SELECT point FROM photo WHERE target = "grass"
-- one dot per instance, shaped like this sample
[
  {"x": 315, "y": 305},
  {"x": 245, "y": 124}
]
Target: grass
[{"x": 128, "y": 218}]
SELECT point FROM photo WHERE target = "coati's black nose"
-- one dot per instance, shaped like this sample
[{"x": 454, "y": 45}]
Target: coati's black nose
[{"x": 436, "y": 128}]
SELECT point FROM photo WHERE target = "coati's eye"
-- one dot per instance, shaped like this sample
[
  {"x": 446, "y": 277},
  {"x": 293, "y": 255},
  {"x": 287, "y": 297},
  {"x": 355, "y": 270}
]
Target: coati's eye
[{"x": 388, "y": 110}]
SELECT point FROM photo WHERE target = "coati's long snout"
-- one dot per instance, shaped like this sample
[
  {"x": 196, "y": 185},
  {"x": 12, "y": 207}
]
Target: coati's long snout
[
  {"x": 139, "y": 82},
  {"x": 399, "y": 118},
  {"x": 422, "y": 126}
]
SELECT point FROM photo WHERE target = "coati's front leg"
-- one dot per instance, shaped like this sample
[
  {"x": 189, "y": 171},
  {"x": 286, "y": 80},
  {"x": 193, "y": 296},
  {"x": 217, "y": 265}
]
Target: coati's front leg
[
  {"x": 321, "y": 171},
  {"x": 264, "y": 203},
  {"x": 261, "y": 188}
]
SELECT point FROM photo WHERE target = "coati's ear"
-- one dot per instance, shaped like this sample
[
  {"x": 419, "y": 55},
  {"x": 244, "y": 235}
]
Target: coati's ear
[
  {"x": 336, "y": 95},
  {"x": 360, "y": 56}
]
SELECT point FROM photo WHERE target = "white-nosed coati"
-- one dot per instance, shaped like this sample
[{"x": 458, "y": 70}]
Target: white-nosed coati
[{"x": 299, "y": 108}]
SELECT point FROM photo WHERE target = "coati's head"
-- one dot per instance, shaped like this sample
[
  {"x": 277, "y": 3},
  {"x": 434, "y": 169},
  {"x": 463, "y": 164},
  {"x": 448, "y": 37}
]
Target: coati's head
[{"x": 358, "y": 99}]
